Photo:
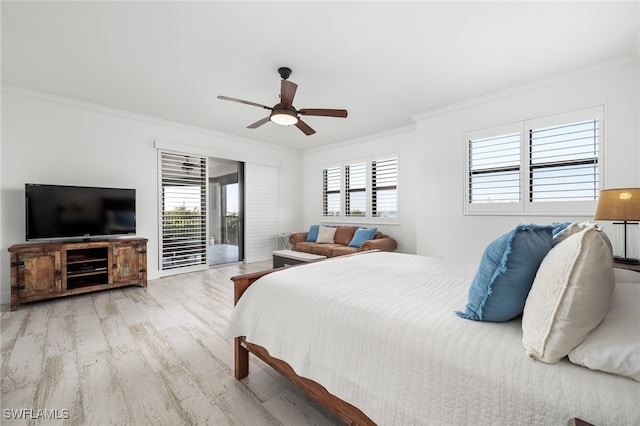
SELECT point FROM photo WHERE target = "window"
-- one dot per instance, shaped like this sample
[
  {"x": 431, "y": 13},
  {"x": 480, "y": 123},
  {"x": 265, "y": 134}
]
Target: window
[
  {"x": 355, "y": 181},
  {"x": 494, "y": 169},
  {"x": 564, "y": 162},
  {"x": 331, "y": 191},
  {"x": 384, "y": 188},
  {"x": 546, "y": 165},
  {"x": 370, "y": 189},
  {"x": 183, "y": 210}
]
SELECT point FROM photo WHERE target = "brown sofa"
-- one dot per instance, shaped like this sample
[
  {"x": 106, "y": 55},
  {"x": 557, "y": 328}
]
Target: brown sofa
[{"x": 341, "y": 240}]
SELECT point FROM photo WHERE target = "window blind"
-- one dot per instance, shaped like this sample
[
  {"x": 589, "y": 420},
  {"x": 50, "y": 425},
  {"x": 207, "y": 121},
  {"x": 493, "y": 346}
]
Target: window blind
[
  {"x": 356, "y": 189},
  {"x": 546, "y": 165},
  {"x": 564, "y": 162},
  {"x": 261, "y": 211},
  {"x": 494, "y": 169},
  {"x": 183, "y": 210},
  {"x": 331, "y": 191},
  {"x": 384, "y": 188}
]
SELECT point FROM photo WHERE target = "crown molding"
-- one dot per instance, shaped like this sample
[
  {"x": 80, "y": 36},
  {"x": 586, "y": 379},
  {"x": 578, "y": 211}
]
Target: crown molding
[
  {"x": 625, "y": 61},
  {"x": 9, "y": 88},
  {"x": 360, "y": 139}
]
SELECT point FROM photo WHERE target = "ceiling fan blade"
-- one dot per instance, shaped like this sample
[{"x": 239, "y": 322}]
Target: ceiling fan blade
[
  {"x": 226, "y": 98},
  {"x": 287, "y": 92},
  {"x": 305, "y": 128},
  {"x": 258, "y": 123},
  {"x": 342, "y": 113}
]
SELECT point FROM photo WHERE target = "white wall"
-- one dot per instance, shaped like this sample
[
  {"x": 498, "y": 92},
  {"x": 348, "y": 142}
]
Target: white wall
[
  {"x": 51, "y": 140},
  {"x": 59, "y": 141},
  {"x": 401, "y": 141},
  {"x": 432, "y": 156},
  {"x": 442, "y": 229}
]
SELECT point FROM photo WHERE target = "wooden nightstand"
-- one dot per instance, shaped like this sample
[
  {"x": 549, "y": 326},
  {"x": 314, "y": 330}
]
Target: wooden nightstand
[{"x": 621, "y": 265}]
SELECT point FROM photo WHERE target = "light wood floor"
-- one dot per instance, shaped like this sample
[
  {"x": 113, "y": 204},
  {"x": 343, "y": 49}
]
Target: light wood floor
[
  {"x": 130, "y": 356},
  {"x": 218, "y": 254}
]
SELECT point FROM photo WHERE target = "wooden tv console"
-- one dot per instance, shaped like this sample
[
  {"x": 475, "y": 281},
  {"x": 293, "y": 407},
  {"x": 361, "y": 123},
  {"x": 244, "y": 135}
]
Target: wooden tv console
[{"x": 46, "y": 270}]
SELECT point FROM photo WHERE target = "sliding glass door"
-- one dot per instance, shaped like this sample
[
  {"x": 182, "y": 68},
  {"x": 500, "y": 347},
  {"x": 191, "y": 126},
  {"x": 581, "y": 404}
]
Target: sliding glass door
[{"x": 225, "y": 211}]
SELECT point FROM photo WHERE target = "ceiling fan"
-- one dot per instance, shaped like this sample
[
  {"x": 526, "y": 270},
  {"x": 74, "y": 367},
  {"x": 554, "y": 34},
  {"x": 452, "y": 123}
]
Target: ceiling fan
[{"x": 284, "y": 113}]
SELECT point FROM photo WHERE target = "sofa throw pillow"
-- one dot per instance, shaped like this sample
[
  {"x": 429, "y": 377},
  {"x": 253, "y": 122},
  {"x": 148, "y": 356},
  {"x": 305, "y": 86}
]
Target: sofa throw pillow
[
  {"x": 569, "y": 297},
  {"x": 312, "y": 235},
  {"x": 614, "y": 345},
  {"x": 326, "y": 234},
  {"x": 362, "y": 235},
  {"x": 508, "y": 267}
]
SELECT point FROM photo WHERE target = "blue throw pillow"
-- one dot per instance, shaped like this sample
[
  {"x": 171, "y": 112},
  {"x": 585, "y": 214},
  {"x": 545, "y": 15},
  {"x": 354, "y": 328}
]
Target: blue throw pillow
[
  {"x": 559, "y": 227},
  {"x": 508, "y": 267},
  {"x": 362, "y": 235},
  {"x": 312, "y": 235}
]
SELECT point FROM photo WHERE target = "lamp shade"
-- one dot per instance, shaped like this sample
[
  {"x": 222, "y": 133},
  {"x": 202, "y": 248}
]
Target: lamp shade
[{"x": 619, "y": 204}]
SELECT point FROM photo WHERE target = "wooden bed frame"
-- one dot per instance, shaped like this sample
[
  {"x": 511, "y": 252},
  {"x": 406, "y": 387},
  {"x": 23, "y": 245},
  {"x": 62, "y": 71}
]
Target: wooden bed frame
[
  {"x": 342, "y": 409},
  {"x": 345, "y": 411}
]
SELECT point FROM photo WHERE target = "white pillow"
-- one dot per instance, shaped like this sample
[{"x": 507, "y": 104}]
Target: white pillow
[
  {"x": 614, "y": 346},
  {"x": 326, "y": 234},
  {"x": 569, "y": 296},
  {"x": 573, "y": 228},
  {"x": 626, "y": 276},
  {"x": 576, "y": 227}
]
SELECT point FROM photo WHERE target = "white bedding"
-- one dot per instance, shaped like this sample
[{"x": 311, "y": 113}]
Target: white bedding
[{"x": 378, "y": 330}]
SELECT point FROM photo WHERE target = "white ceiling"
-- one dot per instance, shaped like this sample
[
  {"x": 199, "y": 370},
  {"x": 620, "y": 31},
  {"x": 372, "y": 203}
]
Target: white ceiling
[{"x": 382, "y": 61}]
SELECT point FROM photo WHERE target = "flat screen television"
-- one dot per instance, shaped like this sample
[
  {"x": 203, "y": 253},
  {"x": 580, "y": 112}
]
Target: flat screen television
[{"x": 72, "y": 212}]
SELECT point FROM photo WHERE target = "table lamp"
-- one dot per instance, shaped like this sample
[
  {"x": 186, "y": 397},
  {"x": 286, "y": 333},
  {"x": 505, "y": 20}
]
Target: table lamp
[{"x": 622, "y": 204}]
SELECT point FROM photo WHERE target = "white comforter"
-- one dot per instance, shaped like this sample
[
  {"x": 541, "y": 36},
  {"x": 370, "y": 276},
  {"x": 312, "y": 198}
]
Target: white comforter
[{"x": 378, "y": 330}]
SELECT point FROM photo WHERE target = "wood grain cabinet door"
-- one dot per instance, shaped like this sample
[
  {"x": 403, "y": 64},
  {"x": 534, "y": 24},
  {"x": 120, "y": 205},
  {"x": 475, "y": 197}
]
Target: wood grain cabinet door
[
  {"x": 39, "y": 272},
  {"x": 129, "y": 262}
]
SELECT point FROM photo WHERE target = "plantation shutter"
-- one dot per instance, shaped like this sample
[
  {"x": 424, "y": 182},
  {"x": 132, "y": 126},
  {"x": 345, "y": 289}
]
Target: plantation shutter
[
  {"x": 563, "y": 164},
  {"x": 545, "y": 165},
  {"x": 331, "y": 191},
  {"x": 384, "y": 188},
  {"x": 261, "y": 211},
  {"x": 355, "y": 180},
  {"x": 494, "y": 169},
  {"x": 183, "y": 210}
]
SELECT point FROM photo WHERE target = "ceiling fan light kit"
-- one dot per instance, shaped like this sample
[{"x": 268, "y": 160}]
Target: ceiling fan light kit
[{"x": 284, "y": 113}]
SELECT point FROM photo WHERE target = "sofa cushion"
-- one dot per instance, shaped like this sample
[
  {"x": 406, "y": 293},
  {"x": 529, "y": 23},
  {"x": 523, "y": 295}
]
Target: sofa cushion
[
  {"x": 326, "y": 235},
  {"x": 324, "y": 249},
  {"x": 342, "y": 250},
  {"x": 361, "y": 235},
  {"x": 305, "y": 247},
  {"x": 312, "y": 235},
  {"x": 344, "y": 234}
]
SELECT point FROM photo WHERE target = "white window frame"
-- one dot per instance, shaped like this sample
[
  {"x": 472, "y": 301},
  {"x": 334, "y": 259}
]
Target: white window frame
[
  {"x": 368, "y": 217},
  {"x": 524, "y": 206}
]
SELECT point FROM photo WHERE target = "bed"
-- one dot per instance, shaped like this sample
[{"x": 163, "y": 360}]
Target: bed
[{"x": 374, "y": 337}]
